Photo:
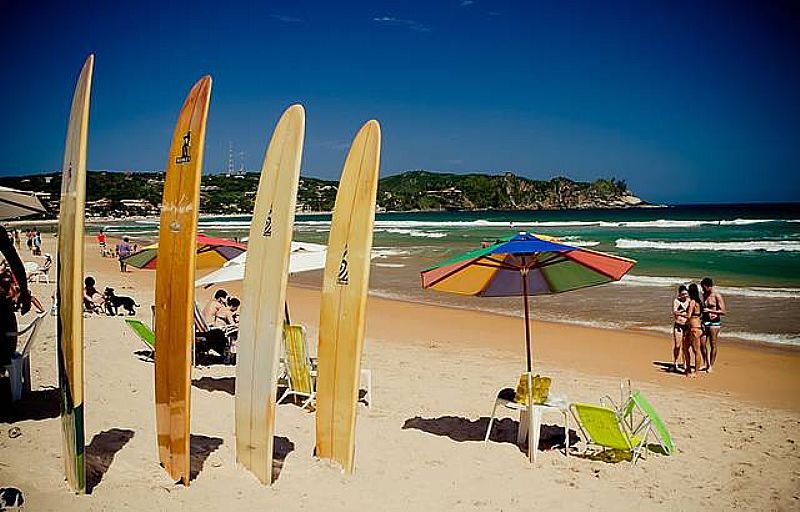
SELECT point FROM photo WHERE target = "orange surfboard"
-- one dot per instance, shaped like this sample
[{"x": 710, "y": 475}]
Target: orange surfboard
[{"x": 175, "y": 282}]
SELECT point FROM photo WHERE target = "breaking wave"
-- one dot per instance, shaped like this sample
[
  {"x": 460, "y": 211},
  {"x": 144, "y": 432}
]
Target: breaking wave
[
  {"x": 749, "y": 245},
  {"x": 743, "y": 291}
]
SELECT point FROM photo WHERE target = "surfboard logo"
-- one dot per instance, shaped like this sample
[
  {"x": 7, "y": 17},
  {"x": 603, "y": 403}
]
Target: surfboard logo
[
  {"x": 185, "y": 158},
  {"x": 343, "y": 278},
  {"x": 268, "y": 225}
]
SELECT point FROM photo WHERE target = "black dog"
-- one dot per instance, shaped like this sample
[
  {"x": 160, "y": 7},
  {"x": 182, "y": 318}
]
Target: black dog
[
  {"x": 114, "y": 302},
  {"x": 10, "y": 497}
]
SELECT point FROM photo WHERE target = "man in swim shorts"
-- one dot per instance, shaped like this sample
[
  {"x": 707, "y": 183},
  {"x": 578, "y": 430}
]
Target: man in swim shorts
[{"x": 713, "y": 311}]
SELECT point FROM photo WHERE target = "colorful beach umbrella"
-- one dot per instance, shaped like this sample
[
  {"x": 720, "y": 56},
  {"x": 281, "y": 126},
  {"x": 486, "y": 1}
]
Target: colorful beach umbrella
[
  {"x": 523, "y": 265},
  {"x": 211, "y": 253}
]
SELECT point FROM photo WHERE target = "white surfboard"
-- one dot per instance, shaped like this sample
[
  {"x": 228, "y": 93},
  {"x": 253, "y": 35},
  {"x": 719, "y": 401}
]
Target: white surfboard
[{"x": 264, "y": 294}]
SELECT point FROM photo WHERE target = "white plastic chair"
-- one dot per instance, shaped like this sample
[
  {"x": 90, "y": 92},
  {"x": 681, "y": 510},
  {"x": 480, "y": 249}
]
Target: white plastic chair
[
  {"x": 36, "y": 272},
  {"x": 19, "y": 371}
]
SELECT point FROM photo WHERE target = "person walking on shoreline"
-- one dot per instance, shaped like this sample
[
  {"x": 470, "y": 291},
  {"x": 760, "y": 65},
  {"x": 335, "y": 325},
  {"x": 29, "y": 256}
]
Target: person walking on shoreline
[
  {"x": 101, "y": 242},
  {"x": 123, "y": 251},
  {"x": 713, "y": 310},
  {"x": 679, "y": 316}
]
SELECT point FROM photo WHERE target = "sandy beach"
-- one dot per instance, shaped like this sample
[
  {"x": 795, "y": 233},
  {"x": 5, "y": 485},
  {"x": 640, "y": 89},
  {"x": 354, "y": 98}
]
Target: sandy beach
[{"x": 420, "y": 446}]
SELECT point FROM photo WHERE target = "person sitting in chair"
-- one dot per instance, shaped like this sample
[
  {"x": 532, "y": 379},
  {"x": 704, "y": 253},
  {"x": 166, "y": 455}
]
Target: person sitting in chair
[{"x": 213, "y": 310}]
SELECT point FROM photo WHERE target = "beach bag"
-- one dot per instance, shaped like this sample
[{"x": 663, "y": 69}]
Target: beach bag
[{"x": 541, "y": 388}]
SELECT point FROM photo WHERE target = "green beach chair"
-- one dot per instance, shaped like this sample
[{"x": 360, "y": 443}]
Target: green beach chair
[
  {"x": 145, "y": 334},
  {"x": 637, "y": 401},
  {"x": 636, "y": 410},
  {"x": 603, "y": 427}
]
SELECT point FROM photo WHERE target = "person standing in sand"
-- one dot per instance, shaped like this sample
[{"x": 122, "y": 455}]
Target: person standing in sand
[
  {"x": 101, "y": 242},
  {"x": 123, "y": 251},
  {"x": 713, "y": 310},
  {"x": 679, "y": 307},
  {"x": 691, "y": 341}
]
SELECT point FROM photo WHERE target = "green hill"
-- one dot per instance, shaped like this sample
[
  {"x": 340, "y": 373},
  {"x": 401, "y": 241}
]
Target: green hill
[{"x": 126, "y": 193}]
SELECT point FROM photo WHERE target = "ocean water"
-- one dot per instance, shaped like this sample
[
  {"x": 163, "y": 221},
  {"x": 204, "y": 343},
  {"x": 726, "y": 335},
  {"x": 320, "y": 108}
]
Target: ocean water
[{"x": 751, "y": 251}]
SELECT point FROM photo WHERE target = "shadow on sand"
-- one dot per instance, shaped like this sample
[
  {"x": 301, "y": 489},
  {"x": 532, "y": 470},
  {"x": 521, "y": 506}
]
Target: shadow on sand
[
  {"x": 667, "y": 368},
  {"x": 100, "y": 454},
  {"x": 281, "y": 449},
  {"x": 36, "y": 405},
  {"x": 504, "y": 430},
  {"x": 224, "y": 384},
  {"x": 200, "y": 447}
]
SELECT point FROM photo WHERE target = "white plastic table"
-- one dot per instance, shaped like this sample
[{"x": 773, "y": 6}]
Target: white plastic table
[{"x": 533, "y": 422}]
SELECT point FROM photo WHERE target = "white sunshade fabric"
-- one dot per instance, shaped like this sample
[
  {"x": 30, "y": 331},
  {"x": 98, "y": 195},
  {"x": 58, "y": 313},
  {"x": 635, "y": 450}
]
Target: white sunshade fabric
[
  {"x": 18, "y": 203},
  {"x": 302, "y": 258}
]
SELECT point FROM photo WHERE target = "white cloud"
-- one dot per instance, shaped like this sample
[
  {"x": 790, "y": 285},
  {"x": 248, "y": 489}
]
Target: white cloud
[
  {"x": 467, "y": 3},
  {"x": 399, "y": 22}
]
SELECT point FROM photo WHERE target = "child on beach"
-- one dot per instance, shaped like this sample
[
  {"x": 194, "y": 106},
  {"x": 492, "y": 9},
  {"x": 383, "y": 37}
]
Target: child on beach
[
  {"x": 92, "y": 299},
  {"x": 101, "y": 242},
  {"x": 679, "y": 316}
]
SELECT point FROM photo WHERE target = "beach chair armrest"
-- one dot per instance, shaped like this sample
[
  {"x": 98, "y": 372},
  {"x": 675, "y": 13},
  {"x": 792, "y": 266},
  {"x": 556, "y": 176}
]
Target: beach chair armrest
[{"x": 30, "y": 326}]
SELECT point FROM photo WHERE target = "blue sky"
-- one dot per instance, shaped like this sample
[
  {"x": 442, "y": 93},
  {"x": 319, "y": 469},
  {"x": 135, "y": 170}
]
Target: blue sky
[{"x": 687, "y": 101}]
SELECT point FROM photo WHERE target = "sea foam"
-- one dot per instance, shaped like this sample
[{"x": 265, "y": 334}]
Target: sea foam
[
  {"x": 748, "y": 245},
  {"x": 742, "y": 291}
]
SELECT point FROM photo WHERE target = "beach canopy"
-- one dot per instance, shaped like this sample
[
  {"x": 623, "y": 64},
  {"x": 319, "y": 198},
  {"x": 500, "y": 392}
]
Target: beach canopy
[
  {"x": 302, "y": 258},
  {"x": 211, "y": 253},
  {"x": 523, "y": 265},
  {"x": 18, "y": 203}
]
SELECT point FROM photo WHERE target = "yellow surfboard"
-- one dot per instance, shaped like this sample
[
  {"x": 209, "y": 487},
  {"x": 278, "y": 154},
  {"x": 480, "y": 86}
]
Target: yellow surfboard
[
  {"x": 264, "y": 295},
  {"x": 344, "y": 299},
  {"x": 69, "y": 290},
  {"x": 175, "y": 282}
]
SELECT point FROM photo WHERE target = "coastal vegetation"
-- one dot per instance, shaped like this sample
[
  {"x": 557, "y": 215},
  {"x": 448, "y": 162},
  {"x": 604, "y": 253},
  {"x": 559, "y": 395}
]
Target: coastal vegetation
[{"x": 126, "y": 193}]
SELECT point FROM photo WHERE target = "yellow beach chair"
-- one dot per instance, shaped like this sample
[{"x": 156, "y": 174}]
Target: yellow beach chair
[
  {"x": 604, "y": 428},
  {"x": 298, "y": 377}
]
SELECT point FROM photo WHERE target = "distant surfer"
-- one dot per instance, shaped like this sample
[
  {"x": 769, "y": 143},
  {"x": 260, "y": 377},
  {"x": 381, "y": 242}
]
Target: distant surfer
[{"x": 713, "y": 311}]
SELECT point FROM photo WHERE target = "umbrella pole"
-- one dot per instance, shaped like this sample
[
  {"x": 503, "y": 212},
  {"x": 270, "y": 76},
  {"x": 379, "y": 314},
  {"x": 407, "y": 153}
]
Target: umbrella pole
[
  {"x": 524, "y": 274},
  {"x": 529, "y": 375},
  {"x": 286, "y": 312}
]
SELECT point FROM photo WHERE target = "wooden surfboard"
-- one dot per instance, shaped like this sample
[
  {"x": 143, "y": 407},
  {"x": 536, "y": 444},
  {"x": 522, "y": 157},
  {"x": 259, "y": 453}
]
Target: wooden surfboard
[
  {"x": 175, "y": 282},
  {"x": 264, "y": 295},
  {"x": 344, "y": 299},
  {"x": 69, "y": 290}
]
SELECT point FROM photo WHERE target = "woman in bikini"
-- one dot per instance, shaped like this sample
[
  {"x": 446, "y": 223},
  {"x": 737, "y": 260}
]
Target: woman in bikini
[
  {"x": 691, "y": 340},
  {"x": 679, "y": 317}
]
